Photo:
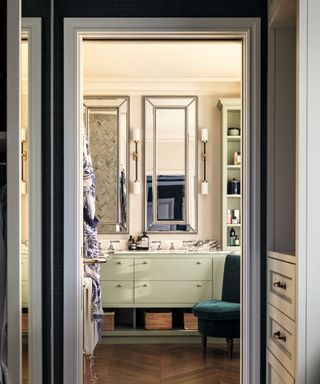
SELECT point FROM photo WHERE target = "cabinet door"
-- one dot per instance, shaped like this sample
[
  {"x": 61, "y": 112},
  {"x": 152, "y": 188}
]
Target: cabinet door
[
  {"x": 115, "y": 292},
  {"x": 276, "y": 374},
  {"x": 117, "y": 269},
  {"x": 166, "y": 292},
  {"x": 173, "y": 269}
]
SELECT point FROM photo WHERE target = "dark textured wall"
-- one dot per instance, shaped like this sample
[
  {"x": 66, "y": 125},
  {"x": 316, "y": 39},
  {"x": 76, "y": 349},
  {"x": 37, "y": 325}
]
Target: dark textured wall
[
  {"x": 3, "y": 66},
  {"x": 121, "y": 8}
]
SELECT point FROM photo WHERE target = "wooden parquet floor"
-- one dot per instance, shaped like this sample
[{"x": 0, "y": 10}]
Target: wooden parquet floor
[{"x": 166, "y": 364}]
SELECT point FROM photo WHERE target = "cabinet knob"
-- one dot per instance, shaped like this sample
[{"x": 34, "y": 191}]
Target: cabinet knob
[
  {"x": 199, "y": 262},
  {"x": 279, "y": 336},
  {"x": 199, "y": 285},
  {"x": 119, "y": 285},
  {"x": 119, "y": 262},
  {"x": 278, "y": 284},
  {"x": 146, "y": 285},
  {"x": 146, "y": 262}
]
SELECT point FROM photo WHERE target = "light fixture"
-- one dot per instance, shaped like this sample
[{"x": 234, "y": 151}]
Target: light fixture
[
  {"x": 204, "y": 139},
  {"x": 136, "y": 140}
]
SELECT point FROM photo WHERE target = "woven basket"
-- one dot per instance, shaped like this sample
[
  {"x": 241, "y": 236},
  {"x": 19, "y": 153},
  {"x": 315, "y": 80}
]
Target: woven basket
[
  {"x": 158, "y": 320},
  {"x": 108, "y": 321},
  {"x": 190, "y": 321}
]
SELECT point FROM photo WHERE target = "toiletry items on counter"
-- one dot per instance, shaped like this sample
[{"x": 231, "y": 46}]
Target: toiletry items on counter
[
  {"x": 234, "y": 187},
  {"x": 142, "y": 243},
  {"x": 232, "y": 237}
]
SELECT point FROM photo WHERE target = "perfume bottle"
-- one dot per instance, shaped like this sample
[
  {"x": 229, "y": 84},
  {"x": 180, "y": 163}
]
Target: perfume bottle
[{"x": 229, "y": 217}]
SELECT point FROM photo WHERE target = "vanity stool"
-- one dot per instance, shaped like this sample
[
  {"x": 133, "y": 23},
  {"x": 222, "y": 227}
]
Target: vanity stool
[{"x": 221, "y": 318}]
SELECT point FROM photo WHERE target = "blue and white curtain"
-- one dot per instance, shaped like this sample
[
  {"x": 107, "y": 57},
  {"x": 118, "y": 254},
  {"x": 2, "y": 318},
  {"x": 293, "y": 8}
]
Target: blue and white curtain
[{"x": 90, "y": 242}]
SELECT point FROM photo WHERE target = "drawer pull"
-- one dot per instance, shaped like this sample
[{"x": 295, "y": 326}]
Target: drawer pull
[
  {"x": 199, "y": 285},
  {"x": 278, "y": 284},
  {"x": 199, "y": 262},
  {"x": 119, "y": 285},
  {"x": 146, "y": 285},
  {"x": 278, "y": 336},
  {"x": 146, "y": 262},
  {"x": 119, "y": 262}
]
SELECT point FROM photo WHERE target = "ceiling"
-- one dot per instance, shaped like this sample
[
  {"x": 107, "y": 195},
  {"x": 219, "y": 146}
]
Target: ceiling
[{"x": 135, "y": 65}]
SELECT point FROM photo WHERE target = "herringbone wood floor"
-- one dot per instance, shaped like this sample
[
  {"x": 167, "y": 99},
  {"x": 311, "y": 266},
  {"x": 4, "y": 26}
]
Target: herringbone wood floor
[{"x": 166, "y": 364}]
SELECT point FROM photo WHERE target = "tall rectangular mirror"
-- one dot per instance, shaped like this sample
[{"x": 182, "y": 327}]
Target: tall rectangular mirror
[
  {"x": 106, "y": 122},
  {"x": 171, "y": 164}
]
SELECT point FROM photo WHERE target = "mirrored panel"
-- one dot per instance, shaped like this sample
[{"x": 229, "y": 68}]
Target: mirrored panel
[
  {"x": 106, "y": 122},
  {"x": 171, "y": 164}
]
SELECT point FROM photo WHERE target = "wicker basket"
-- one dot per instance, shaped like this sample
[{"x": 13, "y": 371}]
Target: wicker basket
[
  {"x": 190, "y": 321},
  {"x": 108, "y": 321},
  {"x": 158, "y": 320}
]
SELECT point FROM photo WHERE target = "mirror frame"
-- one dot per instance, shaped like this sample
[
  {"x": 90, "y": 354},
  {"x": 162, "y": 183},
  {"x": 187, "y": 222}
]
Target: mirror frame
[
  {"x": 154, "y": 184},
  {"x": 96, "y": 103}
]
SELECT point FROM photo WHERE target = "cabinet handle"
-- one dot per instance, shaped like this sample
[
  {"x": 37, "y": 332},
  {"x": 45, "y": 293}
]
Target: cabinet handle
[
  {"x": 119, "y": 285},
  {"x": 146, "y": 262},
  {"x": 146, "y": 285},
  {"x": 278, "y": 284},
  {"x": 278, "y": 336},
  {"x": 119, "y": 262},
  {"x": 199, "y": 262},
  {"x": 199, "y": 285}
]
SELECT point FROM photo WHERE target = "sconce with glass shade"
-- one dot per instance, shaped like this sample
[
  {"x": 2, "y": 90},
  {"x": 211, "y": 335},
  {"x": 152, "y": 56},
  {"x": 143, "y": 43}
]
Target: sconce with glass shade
[
  {"x": 204, "y": 140},
  {"x": 136, "y": 182}
]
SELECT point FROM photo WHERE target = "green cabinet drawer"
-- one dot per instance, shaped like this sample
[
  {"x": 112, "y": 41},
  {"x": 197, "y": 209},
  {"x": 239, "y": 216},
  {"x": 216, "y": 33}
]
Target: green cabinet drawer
[
  {"x": 117, "y": 292},
  {"x": 117, "y": 269},
  {"x": 172, "y": 291},
  {"x": 173, "y": 269}
]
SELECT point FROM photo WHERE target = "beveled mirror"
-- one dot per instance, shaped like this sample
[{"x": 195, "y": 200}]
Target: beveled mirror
[
  {"x": 171, "y": 164},
  {"x": 106, "y": 122}
]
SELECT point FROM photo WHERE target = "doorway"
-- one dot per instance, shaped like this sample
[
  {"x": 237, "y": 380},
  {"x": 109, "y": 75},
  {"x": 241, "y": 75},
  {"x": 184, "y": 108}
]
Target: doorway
[{"x": 211, "y": 29}]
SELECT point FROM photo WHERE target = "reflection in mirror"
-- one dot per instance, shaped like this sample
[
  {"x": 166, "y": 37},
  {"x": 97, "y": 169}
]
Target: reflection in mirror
[
  {"x": 171, "y": 164},
  {"x": 106, "y": 122}
]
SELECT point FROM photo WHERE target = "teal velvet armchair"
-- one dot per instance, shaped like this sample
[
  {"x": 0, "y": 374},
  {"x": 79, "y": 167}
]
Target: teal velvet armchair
[{"x": 221, "y": 318}]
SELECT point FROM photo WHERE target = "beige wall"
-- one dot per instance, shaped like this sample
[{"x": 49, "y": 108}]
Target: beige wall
[
  {"x": 209, "y": 206},
  {"x": 24, "y": 198}
]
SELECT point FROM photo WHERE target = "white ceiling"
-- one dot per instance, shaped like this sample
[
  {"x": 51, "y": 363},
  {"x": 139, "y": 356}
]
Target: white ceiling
[{"x": 136, "y": 63}]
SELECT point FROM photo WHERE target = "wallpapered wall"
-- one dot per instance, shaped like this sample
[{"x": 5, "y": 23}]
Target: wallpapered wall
[{"x": 111, "y": 8}]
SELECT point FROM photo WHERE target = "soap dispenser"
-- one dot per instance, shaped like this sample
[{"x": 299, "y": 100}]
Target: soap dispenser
[{"x": 145, "y": 242}]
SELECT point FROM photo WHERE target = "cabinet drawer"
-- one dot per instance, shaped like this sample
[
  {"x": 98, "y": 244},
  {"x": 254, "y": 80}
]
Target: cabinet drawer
[
  {"x": 281, "y": 286},
  {"x": 276, "y": 374},
  {"x": 188, "y": 292},
  {"x": 117, "y": 269},
  {"x": 25, "y": 293},
  {"x": 173, "y": 269},
  {"x": 24, "y": 269},
  {"x": 117, "y": 292},
  {"x": 281, "y": 338}
]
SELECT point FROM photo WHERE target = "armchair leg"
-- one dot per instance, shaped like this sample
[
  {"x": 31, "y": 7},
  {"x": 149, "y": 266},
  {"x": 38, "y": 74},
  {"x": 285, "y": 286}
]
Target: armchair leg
[
  {"x": 229, "y": 348},
  {"x": 204, "y": 344}
]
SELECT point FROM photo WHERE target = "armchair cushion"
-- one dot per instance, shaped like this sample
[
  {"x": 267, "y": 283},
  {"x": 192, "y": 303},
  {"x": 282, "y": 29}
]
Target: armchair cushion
[{"x": 217, "y": 310}]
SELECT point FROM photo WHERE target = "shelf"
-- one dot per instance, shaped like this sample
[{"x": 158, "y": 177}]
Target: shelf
[
  {"x": 234, "y": 196},
  {"x": 233, "y": 138},
  {"x": 234, "y": 225},
  {"x": 234, "y": 167}
]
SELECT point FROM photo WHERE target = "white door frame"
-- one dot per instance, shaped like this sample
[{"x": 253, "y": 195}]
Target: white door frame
[
  {"x": 75, "y": 29},
  {"x": 31, "y": 28}
]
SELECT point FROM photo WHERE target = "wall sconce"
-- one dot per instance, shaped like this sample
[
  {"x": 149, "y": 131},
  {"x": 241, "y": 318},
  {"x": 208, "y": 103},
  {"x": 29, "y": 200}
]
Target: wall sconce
[
  {"x": 136, "y": 140},
  {"x": 204, "y": 139},
  {"x": 23, "y": 188}
]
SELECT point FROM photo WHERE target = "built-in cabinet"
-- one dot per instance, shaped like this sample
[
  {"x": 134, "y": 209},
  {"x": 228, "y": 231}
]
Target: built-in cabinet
[
  {"x": 231, "y": 171},
  {"x": 133, "y": 282},
  {"x": 282, "y": 320},
  {"x": 281, "y": 316}
]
